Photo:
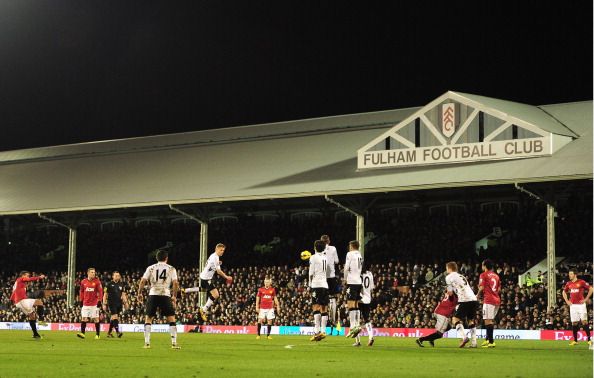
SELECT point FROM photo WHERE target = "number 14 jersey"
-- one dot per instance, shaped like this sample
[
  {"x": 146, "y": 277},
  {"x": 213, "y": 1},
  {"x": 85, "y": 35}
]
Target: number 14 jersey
[{"x": 160, "y": 276}]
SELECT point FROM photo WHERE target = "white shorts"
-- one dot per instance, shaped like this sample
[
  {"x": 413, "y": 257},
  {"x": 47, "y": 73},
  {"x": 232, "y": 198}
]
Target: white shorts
[
  {"x": 490, "y": 311},
  {"x": 27, "y": 305},
  {"x": 89, "y": 312},
  {"x": 578, "y": 312},
  {"x": 442, "y": 323},
  {"x": 267, "y": 314}
]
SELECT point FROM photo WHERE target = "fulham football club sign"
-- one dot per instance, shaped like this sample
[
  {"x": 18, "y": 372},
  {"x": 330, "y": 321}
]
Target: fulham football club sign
[{"x": 459, "y": 128}]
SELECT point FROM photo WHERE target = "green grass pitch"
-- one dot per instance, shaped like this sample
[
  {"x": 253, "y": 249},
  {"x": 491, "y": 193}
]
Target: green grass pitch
[{"x": 62, "y": 354}]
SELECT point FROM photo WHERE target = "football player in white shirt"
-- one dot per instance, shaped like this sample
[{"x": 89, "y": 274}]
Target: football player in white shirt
[
  {"x": 162, "y": 279},
  {"x": 352, "y": 276},
  {"x": 207, "y": 281},
  {"x": 365, "y": 304},
  {"x": 332, "y": 258},
  {"x": 319, "y": 290},
  {"x": 467, "y": 304}
]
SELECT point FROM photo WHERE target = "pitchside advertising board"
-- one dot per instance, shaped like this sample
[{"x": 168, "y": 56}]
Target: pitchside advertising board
[
  {"x": 454, "y": 129},
  {"x": 505, "y": 334}
]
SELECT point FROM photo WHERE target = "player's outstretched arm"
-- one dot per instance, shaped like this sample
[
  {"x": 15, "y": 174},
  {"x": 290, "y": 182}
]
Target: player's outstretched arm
[{"x": 222, "y": 274}]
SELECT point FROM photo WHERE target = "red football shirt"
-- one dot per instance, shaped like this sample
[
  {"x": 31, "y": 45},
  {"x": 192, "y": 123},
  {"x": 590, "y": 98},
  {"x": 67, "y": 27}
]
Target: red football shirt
[
  {"x": 491, "y": 286},
  {"x": 91, "y": 292},
  {"x": 447, "y": 306},
  {"x": 266, "y": 297},
  {"x": 576, "y": 290},
  {"x": 19, "y": 289}
]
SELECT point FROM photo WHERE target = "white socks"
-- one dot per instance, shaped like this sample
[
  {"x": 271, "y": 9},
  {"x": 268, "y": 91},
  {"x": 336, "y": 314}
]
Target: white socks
[
  {"x": 473, "y": 334},
  {"x": 460, "y": 329},
  {"x": 324, "y": 322},
  {"x": 173, "y": 331},
  {"x": 147, "y": 333},
  {"x": 317, "y": 322},
  {"x": 354, "y": 316},
  {"x": 208, "y": 303},
  {"x": 332, "y": 310},
  {"x": 369, "y": 329}
]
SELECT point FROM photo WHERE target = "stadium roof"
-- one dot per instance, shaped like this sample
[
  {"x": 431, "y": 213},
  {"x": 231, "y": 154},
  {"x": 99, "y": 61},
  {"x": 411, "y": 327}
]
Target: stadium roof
[{"x": 280, "y": 160}]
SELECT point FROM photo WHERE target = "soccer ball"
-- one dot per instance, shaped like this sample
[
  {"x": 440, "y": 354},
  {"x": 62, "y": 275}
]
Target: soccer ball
[{"x": 305, "y": 255}]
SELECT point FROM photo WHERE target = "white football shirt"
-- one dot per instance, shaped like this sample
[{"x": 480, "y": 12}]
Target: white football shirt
[
  {"x": 366, "y": 287},
  {"x": 317, "y": 271},
  {"x": 160, "y": 276},
  {"x": 332, "y": 258},
  {"x": 352, "y": 268},
  {"x": 212, "y": 265},
  {"x": 459, "y": 284}
]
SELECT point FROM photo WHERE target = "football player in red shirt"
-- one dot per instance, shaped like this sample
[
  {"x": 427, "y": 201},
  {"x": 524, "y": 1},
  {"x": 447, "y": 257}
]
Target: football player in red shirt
[
  {"x": 91, "y": 293},
  {"x": 266, "y": 301},
  {"x": 27, "y": 305},
  {"x": 489, "y": 286},
  {"x": 577, "y": 305},
  {"x": 442, "y": 313}
]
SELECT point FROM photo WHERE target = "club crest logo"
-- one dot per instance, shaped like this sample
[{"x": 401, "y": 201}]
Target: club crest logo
[{"x": 448, "y": 119}]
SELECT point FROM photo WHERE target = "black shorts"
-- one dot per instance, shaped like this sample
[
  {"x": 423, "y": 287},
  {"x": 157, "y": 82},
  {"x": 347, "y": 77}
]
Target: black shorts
[
  {"x": 161, "y": 302},
  {"x": 208, "y": 285},
  {"x": 114, "y": 307},
  {"x": 467, "y": 310},
  {"x": 319, "y": 296},
  {"x": 365, "y": 309},
  {"x": 332, "y": 286},
  {"x": 354, "y": 292}
]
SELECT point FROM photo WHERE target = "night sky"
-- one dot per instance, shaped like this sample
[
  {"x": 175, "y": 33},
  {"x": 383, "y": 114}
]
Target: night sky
[{"x": 77, "y": 71}]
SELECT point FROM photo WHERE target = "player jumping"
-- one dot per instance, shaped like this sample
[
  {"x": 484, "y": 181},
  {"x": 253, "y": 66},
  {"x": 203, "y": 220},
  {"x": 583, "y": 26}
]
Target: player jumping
[
  {"x": 27, "y": 305},
  {"x": 489, "y": 285},
  {"x": 352, "y": 276},
  {"x": 162, "y": 278},
  {"x": 577, "y": 305},
  {"x": 319, "y": 290},
  {"x": 207, "y": 281},
  {"x": 266, "y": 301},
  {"x": 91, "y": 293},
  {"x": 333, "y": 288},
  {"x": 467, "y": 303}
]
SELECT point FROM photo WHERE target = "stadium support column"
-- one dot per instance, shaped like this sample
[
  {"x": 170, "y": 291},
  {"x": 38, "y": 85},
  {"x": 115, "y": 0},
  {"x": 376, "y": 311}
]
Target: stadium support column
[
  {"x": 203, "y": 244},
  {"x": 551, "y": 257},
  {"x": 70, "y": 294},
  {"x": 360, "y": 225}
]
